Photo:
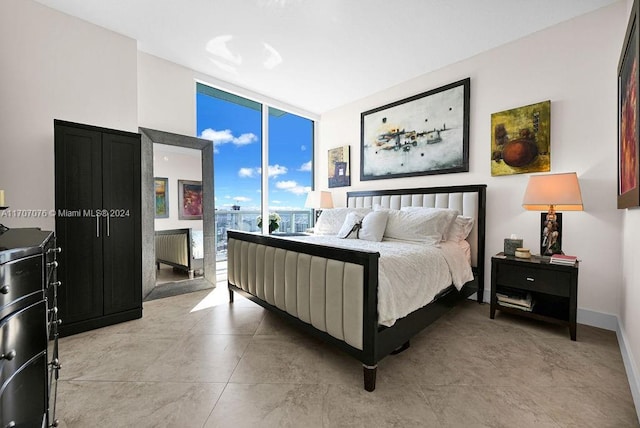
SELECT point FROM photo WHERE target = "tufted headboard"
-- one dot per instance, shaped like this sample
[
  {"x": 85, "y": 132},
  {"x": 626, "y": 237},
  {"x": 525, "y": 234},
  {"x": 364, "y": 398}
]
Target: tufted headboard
[{"x": 469, "y": 200}]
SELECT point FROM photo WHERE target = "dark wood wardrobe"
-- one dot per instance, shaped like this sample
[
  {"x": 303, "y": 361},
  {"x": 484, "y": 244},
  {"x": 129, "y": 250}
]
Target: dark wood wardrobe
[{"x": 98, "y": 223}]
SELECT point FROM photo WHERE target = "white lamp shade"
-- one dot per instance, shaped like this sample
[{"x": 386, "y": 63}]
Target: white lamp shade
[
  {"x": 319, "y": 200},
  {"x": 560, "y": 190}
]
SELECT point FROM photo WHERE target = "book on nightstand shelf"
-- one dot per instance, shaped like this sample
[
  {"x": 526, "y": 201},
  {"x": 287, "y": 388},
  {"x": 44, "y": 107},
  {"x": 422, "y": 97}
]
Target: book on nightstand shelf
[
  {"x": 563, "y": 259},
  {"x": 518, "y": 300}
]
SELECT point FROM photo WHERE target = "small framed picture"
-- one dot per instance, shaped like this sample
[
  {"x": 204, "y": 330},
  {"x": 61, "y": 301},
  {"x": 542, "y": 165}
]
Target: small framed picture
[
  {"x": 190, "y": 198},
  {"x": 338, "y": 173},
  {"x": 161, "y": 186}
]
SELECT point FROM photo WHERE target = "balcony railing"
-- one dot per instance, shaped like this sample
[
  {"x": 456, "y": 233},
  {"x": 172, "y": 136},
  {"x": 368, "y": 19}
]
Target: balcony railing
[{"x": 293, "y": 221}]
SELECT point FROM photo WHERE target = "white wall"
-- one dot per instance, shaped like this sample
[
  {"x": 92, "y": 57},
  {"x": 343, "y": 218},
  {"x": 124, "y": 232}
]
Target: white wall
[
  {"x": 573, "y": 65},
  {"x": 54, "y": 66},
  {"x": 167, "y": 100},
  {"x": 176, "y": 163}
]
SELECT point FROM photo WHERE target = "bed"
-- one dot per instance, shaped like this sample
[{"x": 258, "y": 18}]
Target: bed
[
  {"x": 180, "y": 248},
  {"x": 332, "y": 291}
]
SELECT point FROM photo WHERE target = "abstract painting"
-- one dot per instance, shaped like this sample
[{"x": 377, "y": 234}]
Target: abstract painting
[
  {"x": 190, "y": 197},
  {"x": 161, "y": 186},
  {"x": 425, "y": 134},
  {"x": 628, "y": 150}
]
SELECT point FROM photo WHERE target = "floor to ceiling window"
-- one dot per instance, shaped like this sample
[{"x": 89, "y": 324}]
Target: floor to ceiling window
[
  {"x": 234, "y": 124},
  {"x": 290, "y": 169}
]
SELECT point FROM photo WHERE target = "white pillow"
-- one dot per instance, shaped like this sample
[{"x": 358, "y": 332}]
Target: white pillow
[
  {"x": 371, "y": 226},
  {"x": 346, "y": 231},
  {"x": 331, "y": 220},
  {"x": 449, "y": 234},
  {"x": 460, "y": 229},
  {"x": 428, "y": 225}
]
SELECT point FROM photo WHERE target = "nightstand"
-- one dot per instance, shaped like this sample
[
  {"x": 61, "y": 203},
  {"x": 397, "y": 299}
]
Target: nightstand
[{"x": 553, "y": 289}]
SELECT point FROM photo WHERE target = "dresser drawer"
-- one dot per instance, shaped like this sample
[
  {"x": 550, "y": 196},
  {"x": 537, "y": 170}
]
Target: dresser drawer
[
  {"x": 20, "y": 278},
  {"x": 535, "y": 279},
  {"x": 23, "y": 398},
  {"x": 15, "y": 345}
]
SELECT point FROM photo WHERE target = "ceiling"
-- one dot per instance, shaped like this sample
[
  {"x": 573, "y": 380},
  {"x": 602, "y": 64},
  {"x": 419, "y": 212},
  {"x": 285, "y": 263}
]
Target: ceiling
[{"x": 316, "y": 55}]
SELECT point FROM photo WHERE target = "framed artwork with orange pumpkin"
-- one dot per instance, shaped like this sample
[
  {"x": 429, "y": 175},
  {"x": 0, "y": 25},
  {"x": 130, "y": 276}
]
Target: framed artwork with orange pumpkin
[{"x": 520, "y": 140}]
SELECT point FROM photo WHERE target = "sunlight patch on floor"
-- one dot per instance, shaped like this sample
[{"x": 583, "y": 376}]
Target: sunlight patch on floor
[{"x": 217, "y": 297}]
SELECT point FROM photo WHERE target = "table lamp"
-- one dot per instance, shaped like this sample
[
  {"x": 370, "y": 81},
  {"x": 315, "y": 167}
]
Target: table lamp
[
  {"x": 552, "y": 192},
  {"x": 319, "y": 200}
]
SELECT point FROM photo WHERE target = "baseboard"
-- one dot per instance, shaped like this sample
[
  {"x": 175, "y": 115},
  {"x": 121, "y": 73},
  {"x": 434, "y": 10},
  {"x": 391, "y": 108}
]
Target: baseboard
[
  {"x": 597, "y": 319},
  {"x": 630, "y": 367}
]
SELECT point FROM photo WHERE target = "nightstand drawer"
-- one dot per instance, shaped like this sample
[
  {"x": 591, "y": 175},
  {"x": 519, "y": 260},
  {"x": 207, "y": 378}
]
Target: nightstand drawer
[{"x": 528, "y": 278}]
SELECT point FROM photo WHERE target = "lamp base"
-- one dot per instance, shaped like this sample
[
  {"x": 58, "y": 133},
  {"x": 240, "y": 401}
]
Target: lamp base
[{"x": 550, "y": 233}]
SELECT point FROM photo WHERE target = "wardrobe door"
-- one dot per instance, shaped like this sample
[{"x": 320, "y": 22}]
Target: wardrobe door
[
  {"x": 78, "y": 187},
  {"x": 122, "y": 225}
]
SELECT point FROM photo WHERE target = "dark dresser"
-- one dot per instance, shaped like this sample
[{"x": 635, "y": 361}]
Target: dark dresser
[{"x": 28, "y": 328}]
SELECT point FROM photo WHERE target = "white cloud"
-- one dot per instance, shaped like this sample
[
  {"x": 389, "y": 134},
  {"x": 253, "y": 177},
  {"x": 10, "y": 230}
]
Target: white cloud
[
  {"x": 218, "y": 137},
  {"x": 226, "y": 136},
  {"x": 305, "y": 166},
  {"x": 247, "y": 172},
  {"x": 286, "y": 185},
  {"x": 303, "y": 148},
  {"x": 276, "y": 170},
  {"x": 293, "y": 187},
  {"x": 241, "y": 199},
  {"x": 245, "y": 139}
]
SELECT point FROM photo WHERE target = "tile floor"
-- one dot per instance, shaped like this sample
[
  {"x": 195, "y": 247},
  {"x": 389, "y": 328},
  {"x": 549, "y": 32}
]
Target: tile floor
[
  {"x": 195, "y": 361},
  {"x": 168, "y": 274}
]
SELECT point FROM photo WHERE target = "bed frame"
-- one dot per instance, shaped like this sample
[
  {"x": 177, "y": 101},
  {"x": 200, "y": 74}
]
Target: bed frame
[
  {"x": 173, "y": 248},
  {"x": 332, "y": 292}
]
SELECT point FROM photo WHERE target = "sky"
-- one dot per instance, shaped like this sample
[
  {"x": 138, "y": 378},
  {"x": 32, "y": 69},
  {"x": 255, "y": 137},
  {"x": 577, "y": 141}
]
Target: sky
[{"x": 237, "y": 136}]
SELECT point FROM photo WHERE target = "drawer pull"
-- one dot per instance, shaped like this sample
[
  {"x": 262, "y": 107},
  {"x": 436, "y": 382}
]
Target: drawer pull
[
  {"x": 55, "y": 284},
  {"x": 54, "y": 250},
  {"x": 8, "y": 356},
  {"x": 530, "y": 279},
  {"x": 55, "y": 364},
  {"x": 53, "y": 264},
  {"x": 11, "y": 424},
  {"x": 4, "y": 289}
]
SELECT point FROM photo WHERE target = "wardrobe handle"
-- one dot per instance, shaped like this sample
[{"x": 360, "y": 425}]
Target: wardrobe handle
[
  {"x": 4, "y": 289},
  {"x": 108, "y": 217},
  {"x": 97, "y": 226}
]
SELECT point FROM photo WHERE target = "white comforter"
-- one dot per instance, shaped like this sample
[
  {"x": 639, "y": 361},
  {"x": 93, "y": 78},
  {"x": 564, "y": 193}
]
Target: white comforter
[{"x": 410, "y": 274}]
